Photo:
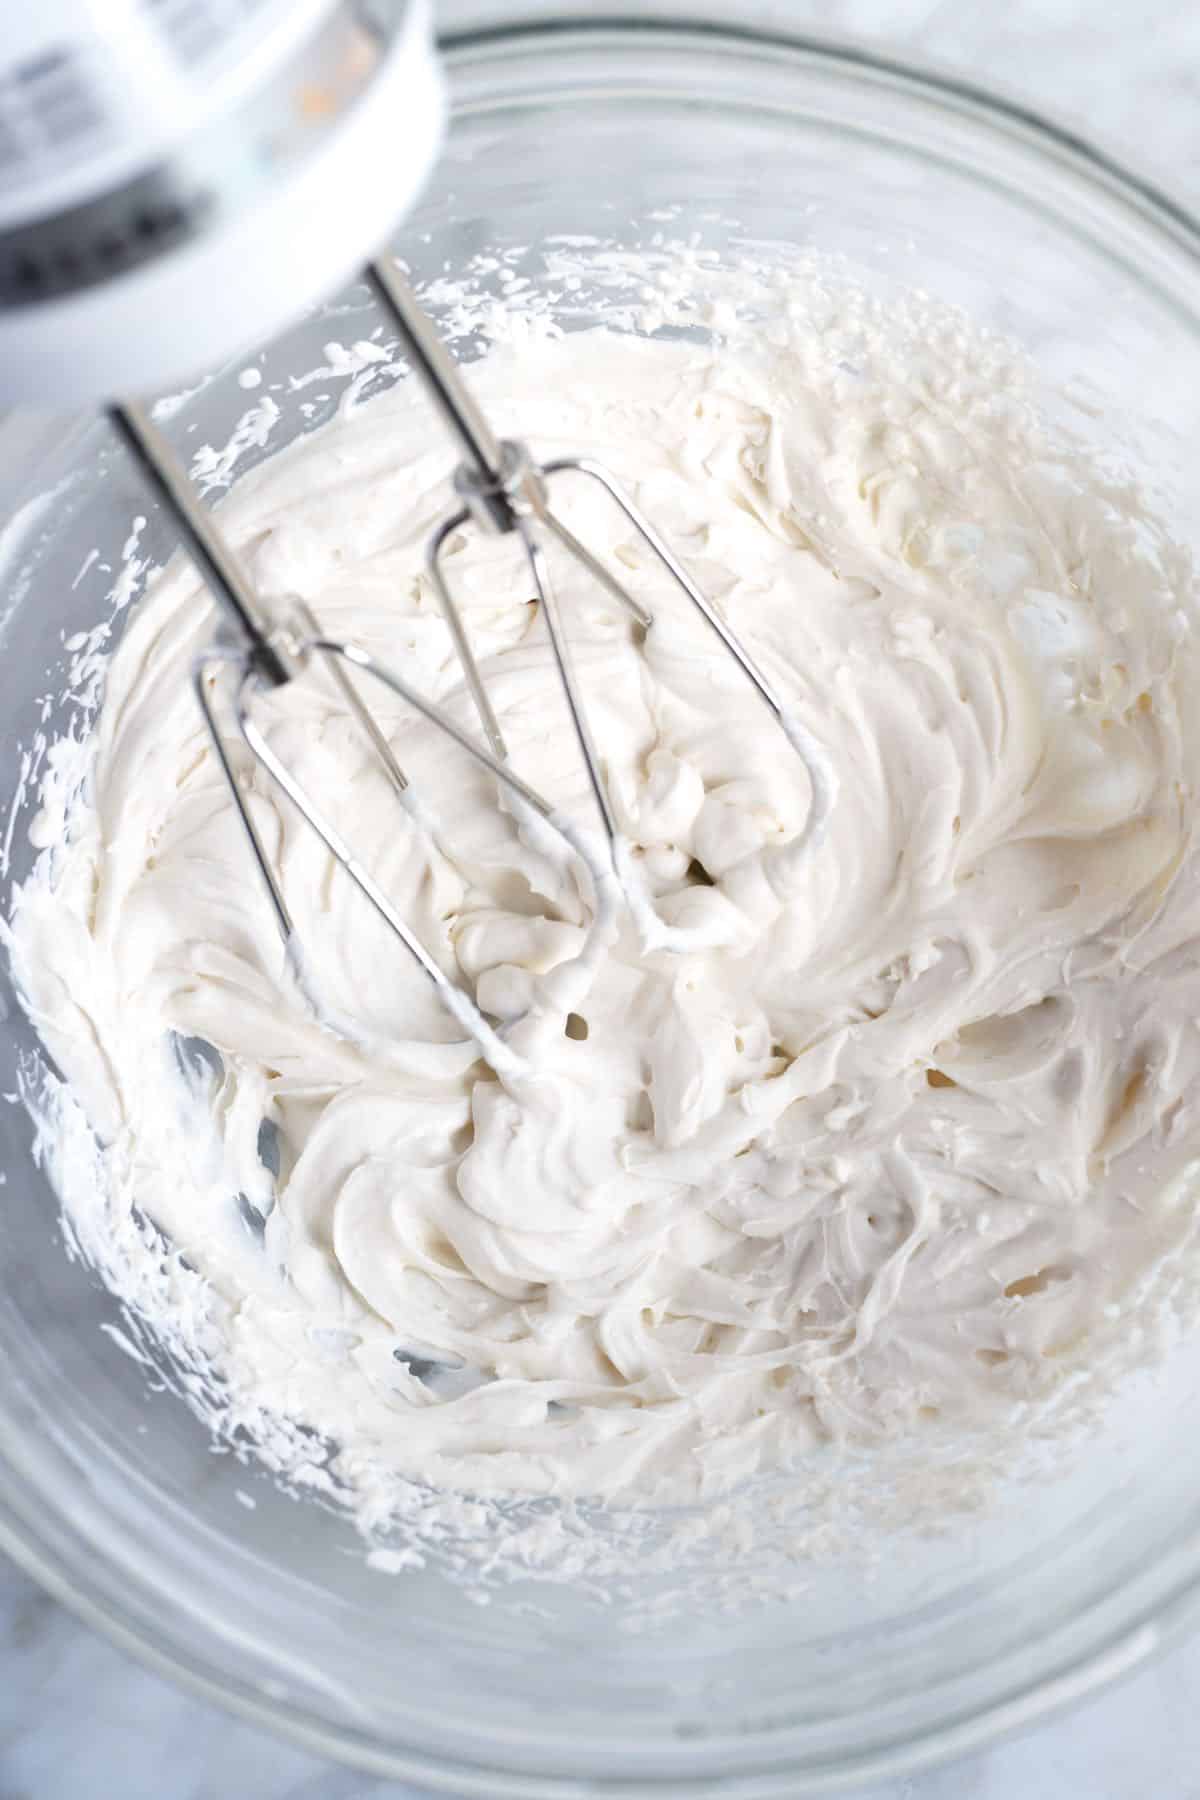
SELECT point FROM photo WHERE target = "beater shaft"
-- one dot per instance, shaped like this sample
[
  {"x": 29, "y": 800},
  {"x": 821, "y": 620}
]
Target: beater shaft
[
  {"x": 218, "y": 566},
  {"x": 439, "y": 376}
]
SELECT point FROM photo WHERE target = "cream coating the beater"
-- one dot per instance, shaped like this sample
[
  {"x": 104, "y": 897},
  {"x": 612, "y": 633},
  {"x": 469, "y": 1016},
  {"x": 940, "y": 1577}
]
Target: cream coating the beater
[{"x": 915, "y": 1112}]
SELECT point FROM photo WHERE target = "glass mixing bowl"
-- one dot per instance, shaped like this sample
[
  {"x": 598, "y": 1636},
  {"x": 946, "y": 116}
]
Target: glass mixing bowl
[{"x": 109, "y": 1491}]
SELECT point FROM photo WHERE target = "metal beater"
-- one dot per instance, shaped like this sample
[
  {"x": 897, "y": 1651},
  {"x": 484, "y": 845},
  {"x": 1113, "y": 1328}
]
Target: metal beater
[{"x": 500, "y": 489}]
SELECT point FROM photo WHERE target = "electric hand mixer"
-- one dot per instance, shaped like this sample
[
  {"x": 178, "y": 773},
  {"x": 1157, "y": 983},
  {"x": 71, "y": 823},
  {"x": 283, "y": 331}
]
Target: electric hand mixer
[{"x": 188, "y": 147}]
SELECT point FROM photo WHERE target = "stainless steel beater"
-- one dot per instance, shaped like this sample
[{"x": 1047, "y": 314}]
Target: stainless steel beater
[{"x": 500, "y": 489}]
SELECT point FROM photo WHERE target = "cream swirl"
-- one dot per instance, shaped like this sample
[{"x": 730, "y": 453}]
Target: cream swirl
[{"x": 909, "y": 1101}]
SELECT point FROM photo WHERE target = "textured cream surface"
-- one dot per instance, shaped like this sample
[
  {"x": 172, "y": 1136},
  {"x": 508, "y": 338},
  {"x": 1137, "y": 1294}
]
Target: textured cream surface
[{"x": 892, "y": 1141}]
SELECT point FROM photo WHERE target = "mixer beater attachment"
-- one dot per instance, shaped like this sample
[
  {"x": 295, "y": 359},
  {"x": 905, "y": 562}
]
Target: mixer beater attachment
[{"x": 500, "y": 489}]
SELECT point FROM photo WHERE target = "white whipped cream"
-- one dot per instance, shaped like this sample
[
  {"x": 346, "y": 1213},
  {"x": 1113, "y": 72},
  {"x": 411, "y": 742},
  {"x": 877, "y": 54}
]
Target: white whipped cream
[{"x": 907, "y": 1115}]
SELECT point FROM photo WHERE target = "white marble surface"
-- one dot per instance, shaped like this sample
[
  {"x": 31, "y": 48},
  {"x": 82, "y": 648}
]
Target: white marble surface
[{"x": 78, "y": 1721}]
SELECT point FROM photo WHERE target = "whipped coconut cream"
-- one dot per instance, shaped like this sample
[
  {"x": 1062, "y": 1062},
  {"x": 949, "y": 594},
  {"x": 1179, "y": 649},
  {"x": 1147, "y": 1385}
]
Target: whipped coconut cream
[{"x": 878, "y": 1117}]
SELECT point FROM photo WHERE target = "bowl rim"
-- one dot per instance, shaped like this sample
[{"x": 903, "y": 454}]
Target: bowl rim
[
  {"x": 1168, "y": 1610},
  {"x": 997, "y": 103}
]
